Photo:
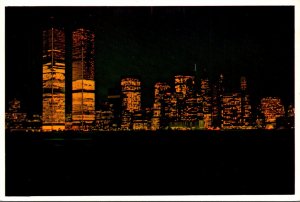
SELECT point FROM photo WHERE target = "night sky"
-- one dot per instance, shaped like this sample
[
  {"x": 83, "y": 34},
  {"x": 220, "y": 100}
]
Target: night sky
[{"x": 157, "y": 43}]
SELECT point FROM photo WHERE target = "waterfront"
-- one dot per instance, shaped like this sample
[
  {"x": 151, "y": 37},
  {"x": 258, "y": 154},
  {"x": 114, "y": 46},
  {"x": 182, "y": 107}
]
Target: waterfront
[{"x": 150, "y": 163}]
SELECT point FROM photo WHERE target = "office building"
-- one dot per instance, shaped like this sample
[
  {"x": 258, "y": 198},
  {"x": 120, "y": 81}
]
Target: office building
[
  {"x": 140, "y": 121},
  {"x": 272, "y": 108},
  {"x": 246, "y": 107},
  {"x": 184, "y": 85},
  {"x": 53, "y": 116},
  {"x": 83, "y": 81},
  {"x": 131, "y": 100},
  {"x": 104, "y": 117},
  {"x": 159, "y": 105},
  {"x": 207, "y": 103},
  {"x": 14, "y": 118},
  {"x": 232, "y": 111},
  {"x": 217, "y": 96}
]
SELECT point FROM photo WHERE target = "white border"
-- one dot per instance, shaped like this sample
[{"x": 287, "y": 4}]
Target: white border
[
  {"x": 146, "y": 2},
  {"x": 2, "y": 108},
  {"x": 4, "y": 3}
]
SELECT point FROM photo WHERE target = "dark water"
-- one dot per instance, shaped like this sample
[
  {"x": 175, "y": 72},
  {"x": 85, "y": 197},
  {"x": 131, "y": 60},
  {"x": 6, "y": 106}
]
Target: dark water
[{"x": 147, "y": 163}]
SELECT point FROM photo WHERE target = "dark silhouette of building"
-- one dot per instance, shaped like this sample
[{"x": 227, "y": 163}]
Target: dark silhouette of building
[{"x": 114, "y": 99}]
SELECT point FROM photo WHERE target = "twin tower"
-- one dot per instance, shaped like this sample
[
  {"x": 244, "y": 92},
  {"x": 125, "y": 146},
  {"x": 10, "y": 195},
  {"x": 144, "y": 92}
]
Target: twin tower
[{"x": 83, "y": 82}]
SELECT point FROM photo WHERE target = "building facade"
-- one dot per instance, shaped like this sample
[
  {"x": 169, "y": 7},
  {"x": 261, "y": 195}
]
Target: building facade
[
  {"x": 83, "y": 81},
  {"x": 272, "y": 108},
  {"x": 217, "y": 96},
  {"x": 131, "y": 100},
  {"x": 246, "y": 106},
  {"x": 159, "y": 105},
  {"x": 14, "y": 118},
  {"x": 184, "y": 85},
  {"x": 104, "y": 117},
  {"x": 53, "y": 116},
  {"x": 232, "y": 111},
  {"x": 206, "y": 103}
]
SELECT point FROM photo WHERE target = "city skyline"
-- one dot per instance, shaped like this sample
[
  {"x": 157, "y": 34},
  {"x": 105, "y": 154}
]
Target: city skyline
[
  {"x": 109, "y": 100},
  {"x": 192, "y": 103},
  {"x": 206, "y": 35}
]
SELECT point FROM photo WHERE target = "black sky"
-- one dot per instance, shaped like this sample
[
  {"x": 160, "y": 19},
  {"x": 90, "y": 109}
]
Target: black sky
[{"x": 157, "y": 43}]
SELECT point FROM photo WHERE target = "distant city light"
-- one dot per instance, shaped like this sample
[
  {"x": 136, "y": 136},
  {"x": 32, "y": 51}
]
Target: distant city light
[{"x": 190, "y": 103}]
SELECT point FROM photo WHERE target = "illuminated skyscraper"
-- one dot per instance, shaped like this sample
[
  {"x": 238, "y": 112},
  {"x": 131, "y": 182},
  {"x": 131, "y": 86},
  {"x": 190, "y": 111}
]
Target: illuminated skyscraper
[
  {"x": 235, "y": 108},
  {"x": 184, "y": 89},
  {"x": 159, "y": 105},
  {"x": 207, "y": 102},
  {"x": 104, "y": 117},
  {"x": 83, "y": 82},
  {"x": 53, "y": 117},
  {"x": 215, "y": 106},
  {"x": 217, "y": 96},
  {"x": 192, "y": 110},
  {"x": 131, "y": 100},
  {"x": 246, "y": 107},
  {"x": 170, "y": 106},
  {"x": 140, "y": 121},
  {"x": 272, "y": 108},
  {"x": 232, "y": 111},
  {"x": 205, "y": 91},
  {"x": 184, "y": 85},
  {"x": 246, "y": 110}
]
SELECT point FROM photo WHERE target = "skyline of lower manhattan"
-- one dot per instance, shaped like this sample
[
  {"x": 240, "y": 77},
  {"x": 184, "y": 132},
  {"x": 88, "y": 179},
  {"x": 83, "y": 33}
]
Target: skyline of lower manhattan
[
  {"x": 75, "y": 96},
  {"x": 150, "y": 101},
  {"x": 198, "y": 95}
]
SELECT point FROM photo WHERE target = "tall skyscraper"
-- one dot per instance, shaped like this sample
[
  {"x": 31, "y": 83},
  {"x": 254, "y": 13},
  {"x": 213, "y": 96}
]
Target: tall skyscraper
[
  {"x": 184, "y": 89},
  {"x": 83, "y": 82},
  {"x": 131, "y": 100},
  {"x": 159, "y": 105},
  {"x": 246, "y": 107},
  {"x": 170, "y": 106},
  {"x": 184, "y": 85},
  {"x": 232, "y": 111},
  {"x": 207, "y": 102},
  {"x": 53, "y": 117},
  {"x": 217, "y": 96}
]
